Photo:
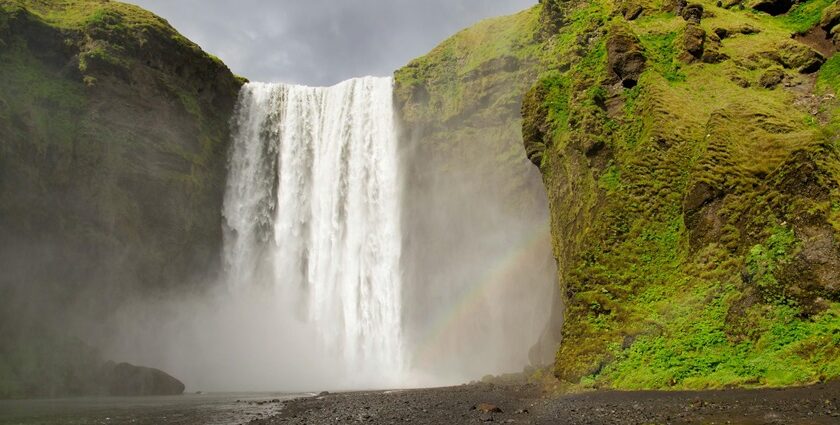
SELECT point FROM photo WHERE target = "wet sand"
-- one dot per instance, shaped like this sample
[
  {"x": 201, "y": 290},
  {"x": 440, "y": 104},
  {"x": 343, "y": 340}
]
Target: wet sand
[{"x": 527, "y": 404}]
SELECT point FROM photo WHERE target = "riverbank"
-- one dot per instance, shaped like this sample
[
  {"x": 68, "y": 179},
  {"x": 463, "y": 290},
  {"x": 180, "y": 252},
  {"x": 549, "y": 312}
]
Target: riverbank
[{"x": 528, "y": 404}]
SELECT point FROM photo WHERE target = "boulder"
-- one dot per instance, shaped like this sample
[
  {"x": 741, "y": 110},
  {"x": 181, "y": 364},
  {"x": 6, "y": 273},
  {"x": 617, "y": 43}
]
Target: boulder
[
  {"x": 488, "y": 408},
  {"x": 124, "y": 380},
  {"x": 729, "y": 32},
  {"x": 771, "y": 78},
  {"x": 692, "y": 13},
  {"x": 830, "y": 17},
  {"x": 794, "y": 55},
  {"x": 711, "y": 50},
  {"x": 694, "y": 38},
  {"x": 631, "y": 11}
]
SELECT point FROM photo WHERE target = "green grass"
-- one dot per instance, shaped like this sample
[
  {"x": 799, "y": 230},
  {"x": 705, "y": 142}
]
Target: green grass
[
  {"x": 663, "y": 54},
  {"x": 764, "y": 259},
  {"x": 805, "y": 15}
]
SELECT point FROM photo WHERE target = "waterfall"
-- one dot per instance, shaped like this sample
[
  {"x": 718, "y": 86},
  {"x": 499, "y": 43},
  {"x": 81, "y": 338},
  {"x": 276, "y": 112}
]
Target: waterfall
[{"x": 312, "y": 213}]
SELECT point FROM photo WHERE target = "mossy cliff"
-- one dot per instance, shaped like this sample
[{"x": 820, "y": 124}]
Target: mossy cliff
[
  {"x": 690, "y": 154},
  {"x": 113, "y": 139}
]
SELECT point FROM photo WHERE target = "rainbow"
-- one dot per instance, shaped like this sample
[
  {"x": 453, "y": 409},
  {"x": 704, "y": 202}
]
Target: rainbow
[{"x": 491, "y": 282}]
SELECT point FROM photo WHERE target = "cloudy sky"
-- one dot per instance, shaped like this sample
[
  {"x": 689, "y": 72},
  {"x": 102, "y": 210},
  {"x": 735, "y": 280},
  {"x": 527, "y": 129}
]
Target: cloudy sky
[{"x": 322, "y": 42}]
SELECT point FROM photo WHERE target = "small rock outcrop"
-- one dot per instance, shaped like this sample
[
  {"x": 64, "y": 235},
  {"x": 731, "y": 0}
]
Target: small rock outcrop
[
  {"x": 625, "y": 56},
  {"x": 630, "y": 9},
  {"x": 692, "y": 13},
  {"x": 830, "y": 23},
  {"x": 798, "y": 57},
  {"x": 126, "y": 380},
  {"x": 535, "y": 136},
  {"x": 771, "y": 78},
  {"x": 694, "y": 39}
]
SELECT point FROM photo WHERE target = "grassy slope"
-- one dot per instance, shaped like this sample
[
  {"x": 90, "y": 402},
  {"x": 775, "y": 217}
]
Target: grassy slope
[
  {"x": 654, "y": 303},
  {"x": 466, "y": 92}
]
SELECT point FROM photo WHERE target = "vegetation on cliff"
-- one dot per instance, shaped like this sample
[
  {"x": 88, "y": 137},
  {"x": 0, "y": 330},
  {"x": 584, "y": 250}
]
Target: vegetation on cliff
[
  {"x": 113, "y": 140},
  {"x": 690, "y": 153}
]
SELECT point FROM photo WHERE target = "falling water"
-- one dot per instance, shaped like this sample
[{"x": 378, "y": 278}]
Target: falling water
[{"x": 312, "y": 211}]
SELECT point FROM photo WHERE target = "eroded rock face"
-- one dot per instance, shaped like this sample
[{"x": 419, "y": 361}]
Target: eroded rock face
[
  {"x": 830, "y": 23},
  {"x": 773, "y": 7},
  {"x": 534, "y": 126},
  {"x": 625, "y": 56},
  {"x": 552, "y": 16}
]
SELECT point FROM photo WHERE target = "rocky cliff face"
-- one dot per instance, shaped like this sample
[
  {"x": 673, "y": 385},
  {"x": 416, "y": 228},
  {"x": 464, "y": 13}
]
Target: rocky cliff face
[
  {"x": 113, "y": 139},
  {"x": 690, "y": 154}
]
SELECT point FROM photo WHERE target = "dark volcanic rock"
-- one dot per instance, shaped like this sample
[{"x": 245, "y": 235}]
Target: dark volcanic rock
[
  {"x": 625, "y": 56},
  {"x": 692, "y": 13},
  {"x": 694, "y": 39},
  {"x": 128, "y": 380},
  {"x": 526, "y": 404},
  {"x": 773, "y": 7}
]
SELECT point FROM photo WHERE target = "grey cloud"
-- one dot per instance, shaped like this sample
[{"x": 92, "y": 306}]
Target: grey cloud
[{"x": 321, "y": 42}]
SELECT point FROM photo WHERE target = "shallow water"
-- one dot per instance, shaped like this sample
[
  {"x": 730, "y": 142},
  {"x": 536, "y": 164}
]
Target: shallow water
[{"x": 187, "y": 409}]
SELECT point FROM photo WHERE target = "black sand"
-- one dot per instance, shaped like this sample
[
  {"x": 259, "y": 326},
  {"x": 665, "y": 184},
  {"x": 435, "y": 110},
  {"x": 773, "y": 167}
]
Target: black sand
[{"x": 527, "y": 404}]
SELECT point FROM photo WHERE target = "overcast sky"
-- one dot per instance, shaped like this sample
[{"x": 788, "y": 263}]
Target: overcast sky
[{"x": 322, "y": 42}]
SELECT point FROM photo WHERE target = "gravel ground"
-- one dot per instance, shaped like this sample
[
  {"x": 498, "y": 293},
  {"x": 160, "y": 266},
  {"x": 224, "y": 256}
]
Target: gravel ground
[{"x": 527, "y": 404}]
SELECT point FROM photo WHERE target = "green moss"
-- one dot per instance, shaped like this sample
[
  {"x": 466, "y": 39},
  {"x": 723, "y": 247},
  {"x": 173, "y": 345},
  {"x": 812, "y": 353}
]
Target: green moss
[
  {"x": 37, "y": 101},
  {"x": 661, "y": 295},
  {"x": 765, "y": 259},
  {"x": 804, "y": 16},
  {"x": 494, "y": 46},
  {"x": 663, "y": 53},
  {"x": 127, "y": 27},
  {"x": 829, "y": 76}
]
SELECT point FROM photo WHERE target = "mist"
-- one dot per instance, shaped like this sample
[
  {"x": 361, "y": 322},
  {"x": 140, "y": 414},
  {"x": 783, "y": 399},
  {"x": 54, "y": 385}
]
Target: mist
[
  {"x": 479, "y": 264},
  {"x": 116, "y": 255},
  {"x": 477, "y": 288}
]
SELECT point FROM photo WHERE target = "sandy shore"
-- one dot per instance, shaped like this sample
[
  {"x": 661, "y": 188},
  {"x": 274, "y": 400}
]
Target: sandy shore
[{"x": 527, "y": 404}]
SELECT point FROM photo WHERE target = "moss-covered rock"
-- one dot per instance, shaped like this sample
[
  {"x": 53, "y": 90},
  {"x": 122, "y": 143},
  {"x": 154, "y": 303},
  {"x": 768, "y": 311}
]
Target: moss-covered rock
[
  {"x": 694, "y": 246},
  {"x": 113, "y": 140}
]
